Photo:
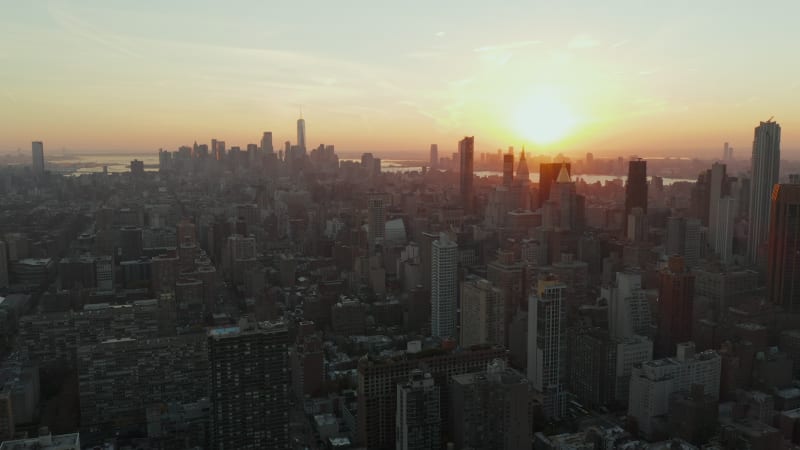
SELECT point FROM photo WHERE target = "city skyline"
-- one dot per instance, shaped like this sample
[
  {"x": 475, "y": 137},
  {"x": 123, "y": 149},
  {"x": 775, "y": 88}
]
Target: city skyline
[{"x": 658, "y": 82}]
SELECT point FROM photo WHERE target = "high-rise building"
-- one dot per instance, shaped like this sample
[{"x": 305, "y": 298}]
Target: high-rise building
[
  {"x": 783, "y": 268},
  {"x": 723, "y": 237},
  {"x": 3, "y": 265},
  {"x": 675, "y": 303},
  {"x": 376, "y": 218},
  {"x": 377, "y": 386},
  {"x": 434, "y": 156},
  {"x": 683, "y": 238},
  {"x": 508, "y": 169},
  {"x": 491, "y": 409},
  {"x": 522, "y": 169},
  {"x": 419, "y": 415},
  {"x": 548, "y": 174},
  {"x": 717, "y": 187},
  {"x": 628, "y": 309},
  {"x": 636, "y": 187},
  {"x": 301, "y": 135},
  {"x": 444, "y": 286},
  {"x": 765, "y": 165},
  {"x": 466, "y": 150},
  {"x": 249, "y": 386},
  {"x": 482, "y": 313},
  {"x": 37, "y": 150},
  {"x": 653, "y": 383},
  {"x": 266, "y": 142},
  {"x": 547, "y": 345}
]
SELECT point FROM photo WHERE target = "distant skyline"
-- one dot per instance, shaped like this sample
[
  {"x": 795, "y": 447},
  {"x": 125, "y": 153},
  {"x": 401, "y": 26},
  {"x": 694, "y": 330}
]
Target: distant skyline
[{"x": 624, "y": 77}]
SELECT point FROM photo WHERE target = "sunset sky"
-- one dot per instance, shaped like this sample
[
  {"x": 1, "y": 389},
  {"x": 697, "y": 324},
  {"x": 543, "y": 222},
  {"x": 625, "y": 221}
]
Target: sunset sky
[{"x": 653, "y": 78}]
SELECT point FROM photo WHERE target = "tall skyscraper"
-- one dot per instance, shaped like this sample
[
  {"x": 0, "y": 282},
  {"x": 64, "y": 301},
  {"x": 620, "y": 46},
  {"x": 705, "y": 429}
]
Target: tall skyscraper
[
  {"x": 476, "y": 402},
  {"x": 249, "y": 386},
  {"x": 266, "y": 142},
  {"x": 508, "y": 169},
  {"x": 301, "y": 135},
  {"x": 376, "y": 218},
  {"x": 482, "y": 313},
  {"x": 547, "y": 345},
  {"x": 419, "y": 416},
  {"x": 765, "y": 165},
  {"x": 723, "y": 237},
  {"x": 718, "y": 176},
  {"x": 675, "y": 303},
  {"x": 37, "y": 150},
  {"x": 3, "y": 265},
  {"x": 783, "y": 260},
  {"x": 434, "y": 156},
  {"x": 523, "y": 175},
  {"x": 466, "y": 150},
  {"x": 444, "y": 283},
  {"x": 628, "y": 309},
  {"x": 548, "y": 174},
  {"x": 636, "y": 187}
]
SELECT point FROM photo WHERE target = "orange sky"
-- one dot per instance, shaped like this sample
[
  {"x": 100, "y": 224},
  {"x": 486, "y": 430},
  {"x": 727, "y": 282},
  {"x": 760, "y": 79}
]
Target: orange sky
[{"x": 674, "y": 79}]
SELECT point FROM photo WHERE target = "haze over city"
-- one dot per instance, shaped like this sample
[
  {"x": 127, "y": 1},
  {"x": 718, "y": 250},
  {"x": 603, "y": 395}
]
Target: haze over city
[{"x": 625, "y": 77}]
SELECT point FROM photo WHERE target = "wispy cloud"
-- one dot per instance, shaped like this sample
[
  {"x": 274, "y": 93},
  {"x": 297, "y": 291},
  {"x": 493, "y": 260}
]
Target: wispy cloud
[
  {"x": 75, "y": 26},
  {"x": 507, "y": 46},
  {"x": 619, "y": 44},
  {"x": 440, "y": 34},
  {"x": 583, "y": 41}
]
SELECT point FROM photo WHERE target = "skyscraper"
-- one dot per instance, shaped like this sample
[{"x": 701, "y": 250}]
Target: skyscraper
[
  {"x": 249, "y": 386},
  {"x": 491, "y": 409},
  {"x": 482, "y": 313},
  {"x": 675, "y": 303},
  {"x": 266, "y": 142},
  {"x": 765, "y": 165},
  {"x": 301, "y": 135},
  {"x": 636, "y": 188},
  {"x": 547, "y": 345},
  {"x": 3, "y": 265},
  {"x": 376, "y": 218},
  {"x": 548, "y": 174},
  {"x": 418, "y": 413},
  {"x": 522, "y": 169},
  {"x": 434, "y": 156},
  {"x": 718, "y": 176},
  {"x": 783, "y": 260},
  {"x": 37, "y": 150},
  {"x": 508, "y": 169},
  {"x": 466, "y": 149},
  {"x": 444, "y": 283}
]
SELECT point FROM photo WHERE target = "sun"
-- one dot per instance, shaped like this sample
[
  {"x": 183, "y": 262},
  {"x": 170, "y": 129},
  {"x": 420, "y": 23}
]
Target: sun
[{"x": 544, "y": 117}]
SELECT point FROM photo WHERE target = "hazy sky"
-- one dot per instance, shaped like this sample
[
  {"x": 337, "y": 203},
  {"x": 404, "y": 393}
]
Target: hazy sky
[{"x": 646, "y": 77}]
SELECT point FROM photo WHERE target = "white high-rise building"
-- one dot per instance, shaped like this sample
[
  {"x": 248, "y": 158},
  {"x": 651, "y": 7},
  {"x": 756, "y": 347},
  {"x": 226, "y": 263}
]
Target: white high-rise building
[
  {"x": 628, "y": 309},
  {"x": 765, "y": 165},
  {"x": 37, "y": 150},
  {"x": 652, "y": 383},
  {"x": 444, "y": 286},
  {"x": 301, "y": 135},
  {"x": 418, "y": 413},
  {"x": 547, "y": 345}
]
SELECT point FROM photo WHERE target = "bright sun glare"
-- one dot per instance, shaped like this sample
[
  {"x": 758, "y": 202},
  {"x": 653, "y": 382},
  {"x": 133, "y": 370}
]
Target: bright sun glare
[{"x": 544, "y": 117}]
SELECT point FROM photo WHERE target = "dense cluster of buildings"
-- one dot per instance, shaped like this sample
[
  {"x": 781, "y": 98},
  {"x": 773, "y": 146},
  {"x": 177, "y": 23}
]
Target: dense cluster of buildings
[{"x": 279, "y": 297}]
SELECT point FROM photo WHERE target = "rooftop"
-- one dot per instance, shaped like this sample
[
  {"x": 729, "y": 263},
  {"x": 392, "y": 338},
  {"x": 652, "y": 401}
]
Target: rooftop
[{"x": 45, "y": 442}]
